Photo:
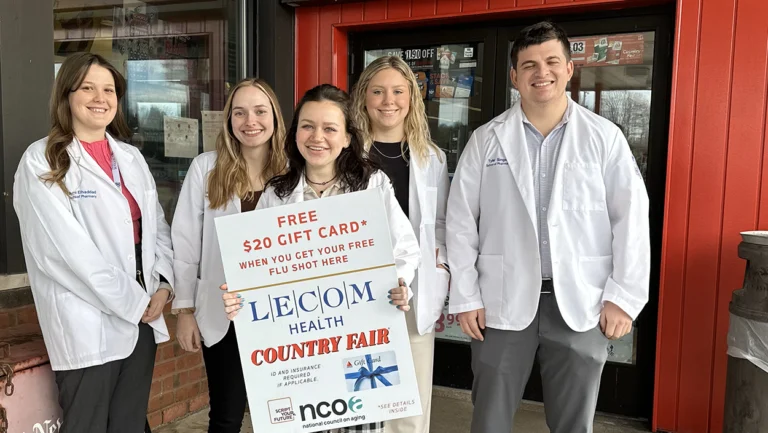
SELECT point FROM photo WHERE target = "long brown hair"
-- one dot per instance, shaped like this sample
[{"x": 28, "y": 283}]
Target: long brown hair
[
  {"x": 229, "y": 177},
  {"x": 70, "y": 77}
]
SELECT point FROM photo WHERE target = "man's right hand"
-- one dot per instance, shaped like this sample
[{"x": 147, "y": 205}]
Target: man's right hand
[
  {"x": 472, "y": 322},
  {"x": 187, "y": 332}
]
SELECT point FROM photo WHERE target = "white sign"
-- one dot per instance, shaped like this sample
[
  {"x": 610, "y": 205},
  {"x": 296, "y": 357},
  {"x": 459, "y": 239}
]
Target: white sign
[
  {"x": 212, "y": 125},
  {"x": 320, "y": 345},
  {"x": 181, "y": 137},
  {"x": 469, "y": 52}
]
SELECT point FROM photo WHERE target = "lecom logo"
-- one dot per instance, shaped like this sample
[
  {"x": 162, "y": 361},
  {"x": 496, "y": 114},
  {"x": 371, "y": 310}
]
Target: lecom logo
[{"x": 281, "y": 410}]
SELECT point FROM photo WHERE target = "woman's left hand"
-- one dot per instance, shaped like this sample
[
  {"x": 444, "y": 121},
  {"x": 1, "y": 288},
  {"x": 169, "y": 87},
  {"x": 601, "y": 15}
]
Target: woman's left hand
[
  {"x": 156, "y": 304},
  {"x": 399, "y": 296}
]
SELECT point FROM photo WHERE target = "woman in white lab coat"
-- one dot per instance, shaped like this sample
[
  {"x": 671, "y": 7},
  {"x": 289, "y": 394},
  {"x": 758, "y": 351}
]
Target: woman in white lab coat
[
  {"x": 326, "y": 158},
  {"x": 388, "y": 108},
  {"x": 97, "y": 249},
  {"x": 229, "y": 180}
]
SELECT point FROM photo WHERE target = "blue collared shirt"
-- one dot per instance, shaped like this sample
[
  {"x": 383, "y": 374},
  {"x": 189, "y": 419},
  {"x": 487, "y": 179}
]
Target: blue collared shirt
[{"x": 542, "y": 154}]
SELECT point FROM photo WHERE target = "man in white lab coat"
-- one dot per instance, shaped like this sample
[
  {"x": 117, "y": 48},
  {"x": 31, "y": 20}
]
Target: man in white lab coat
[{"x": 548, "y": 243}]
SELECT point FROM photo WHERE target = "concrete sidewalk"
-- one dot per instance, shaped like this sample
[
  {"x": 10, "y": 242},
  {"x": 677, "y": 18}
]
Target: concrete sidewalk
[{"x": 451, "y": 413}]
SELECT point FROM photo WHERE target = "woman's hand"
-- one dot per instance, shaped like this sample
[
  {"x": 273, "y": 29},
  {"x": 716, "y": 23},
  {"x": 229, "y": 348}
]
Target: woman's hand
[
  {"x": 399, "y": 296},
  {"x": 187, "y": 332},
  {"x": 156, "y": 304},
  {"x": 233, "y": 302}
]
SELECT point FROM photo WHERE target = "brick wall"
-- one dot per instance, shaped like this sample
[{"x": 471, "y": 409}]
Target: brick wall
[
  {"x": 18, "y": 316},
  {"x": 179, "y": 384}
]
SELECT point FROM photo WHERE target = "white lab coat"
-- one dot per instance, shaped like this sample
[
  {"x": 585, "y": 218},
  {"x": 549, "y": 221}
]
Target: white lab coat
[
  {"x": 79, "y": 252},
  {"x": 428, "y": 185},
  {"x": 597, "y": 219},
  {"x": 197, "y": 267},
  {"x": 404, "y": 244}
]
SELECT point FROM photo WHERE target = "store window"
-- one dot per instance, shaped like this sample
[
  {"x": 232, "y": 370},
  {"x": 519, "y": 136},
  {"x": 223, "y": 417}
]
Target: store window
[{"x": 179, "y": 59}]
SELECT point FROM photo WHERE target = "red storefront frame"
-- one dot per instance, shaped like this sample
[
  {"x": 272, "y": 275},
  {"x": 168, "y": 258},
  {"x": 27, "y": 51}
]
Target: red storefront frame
[{"x": 717, "y": 182}]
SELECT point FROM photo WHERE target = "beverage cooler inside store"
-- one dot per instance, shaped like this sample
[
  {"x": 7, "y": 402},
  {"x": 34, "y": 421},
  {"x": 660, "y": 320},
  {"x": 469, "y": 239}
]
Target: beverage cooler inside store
[{"x": 621, "y": 71}]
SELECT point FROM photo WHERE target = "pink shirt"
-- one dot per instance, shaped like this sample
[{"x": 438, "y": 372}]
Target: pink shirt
[{"x": 100, "y": 151}]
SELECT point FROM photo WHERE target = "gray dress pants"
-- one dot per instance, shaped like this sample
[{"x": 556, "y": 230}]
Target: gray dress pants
[{"x": 571, "y": 365}]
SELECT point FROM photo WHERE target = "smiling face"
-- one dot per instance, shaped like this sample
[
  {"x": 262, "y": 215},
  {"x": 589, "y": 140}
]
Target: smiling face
[
  {"x": 94, "y": 103},
  {"x": 321, "y": 134},
  {"x": 542, "y": 73},
  {"x": 387, "y": 100},
  {"x": 252, "y": 119}
]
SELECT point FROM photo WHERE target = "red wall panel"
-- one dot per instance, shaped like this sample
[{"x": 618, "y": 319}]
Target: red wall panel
[
  {"x": 474, "y": 5},
  {"x": 717, "y": 176},
  {"x": 307, "y": 52},
  {"x": 502, "y": 4},
  {"x": 375, "y": 10},
  {"x": 763, "y": 213},
  {"x": 676, "y": 207},
  {"x": 397, "y": 9},
  {"x": 705, "y": 230},
  {"x": 522, "y": 3},
  {"x": 329, "y": 16},
  {"x": 352, "y": 12},
  {"x": 448, "y": 7},
  {"x": 423, "y": 8}
]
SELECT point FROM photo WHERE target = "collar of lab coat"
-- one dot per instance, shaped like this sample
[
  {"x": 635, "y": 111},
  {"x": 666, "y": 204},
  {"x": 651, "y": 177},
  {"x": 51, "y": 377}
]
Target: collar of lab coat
[
  {"x": 130, "y": 172},
  {"x": 298, "y": 193},
  {"x": 509, "y": 130},
  {"x": 84, "y": 159}
]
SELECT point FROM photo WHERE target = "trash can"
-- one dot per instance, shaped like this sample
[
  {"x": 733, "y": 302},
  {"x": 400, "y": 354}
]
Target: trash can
[
  {"x": 28, "y": 394},
  {"x": 746, "y": 394}
]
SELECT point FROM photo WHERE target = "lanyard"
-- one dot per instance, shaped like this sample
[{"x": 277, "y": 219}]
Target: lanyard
[{"x": 115, "y": 171}]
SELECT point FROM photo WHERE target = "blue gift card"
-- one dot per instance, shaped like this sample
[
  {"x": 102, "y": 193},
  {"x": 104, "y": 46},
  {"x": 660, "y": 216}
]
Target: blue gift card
[{"x": 371, "y": 371}]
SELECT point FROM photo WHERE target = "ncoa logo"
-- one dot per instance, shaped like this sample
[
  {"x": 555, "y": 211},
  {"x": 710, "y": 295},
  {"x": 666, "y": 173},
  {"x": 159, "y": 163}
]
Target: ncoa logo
[{"x": 337, "y": 407}]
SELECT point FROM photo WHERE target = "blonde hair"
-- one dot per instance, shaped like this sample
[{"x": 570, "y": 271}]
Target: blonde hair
[
  {"x": 415, "y": 124},
  {"x": 229, "y": 176},
  {"x": 71, "y": 75}
]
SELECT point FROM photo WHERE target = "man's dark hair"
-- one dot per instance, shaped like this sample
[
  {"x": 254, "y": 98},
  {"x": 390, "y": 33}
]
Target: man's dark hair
[{"x": 537, "y": 34}]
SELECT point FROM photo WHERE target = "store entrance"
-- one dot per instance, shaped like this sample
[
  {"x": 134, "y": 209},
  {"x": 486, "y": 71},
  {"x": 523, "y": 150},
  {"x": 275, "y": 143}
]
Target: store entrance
[{"x": 622, "y": 72}]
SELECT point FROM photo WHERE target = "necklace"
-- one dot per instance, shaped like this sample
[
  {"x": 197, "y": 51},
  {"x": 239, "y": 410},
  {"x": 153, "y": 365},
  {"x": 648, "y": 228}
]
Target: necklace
[
  {"x": 319, "y": 183},
  {"x": 402, "y": 155}
]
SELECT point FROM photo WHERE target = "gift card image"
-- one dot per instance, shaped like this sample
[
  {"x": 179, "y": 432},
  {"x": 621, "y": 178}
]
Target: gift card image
[{"x": 371, "y": 371}]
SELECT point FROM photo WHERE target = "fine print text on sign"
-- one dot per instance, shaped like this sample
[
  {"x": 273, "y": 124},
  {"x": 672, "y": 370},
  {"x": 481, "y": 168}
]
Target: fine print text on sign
[{"x": 320, "y": 345}]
